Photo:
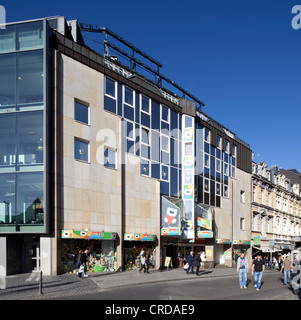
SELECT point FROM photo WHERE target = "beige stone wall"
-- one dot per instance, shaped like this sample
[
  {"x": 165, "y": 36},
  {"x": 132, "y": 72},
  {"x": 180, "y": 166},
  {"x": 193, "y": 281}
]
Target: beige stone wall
[{"x": 91, "y": 194}]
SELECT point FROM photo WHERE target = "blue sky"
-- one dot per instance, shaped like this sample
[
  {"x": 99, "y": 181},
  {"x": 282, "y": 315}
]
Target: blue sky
[{"x": 241, "y": 58}]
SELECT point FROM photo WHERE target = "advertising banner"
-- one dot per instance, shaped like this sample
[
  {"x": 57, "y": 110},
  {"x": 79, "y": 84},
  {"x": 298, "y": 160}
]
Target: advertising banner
[{"x": 171, "y": 214}]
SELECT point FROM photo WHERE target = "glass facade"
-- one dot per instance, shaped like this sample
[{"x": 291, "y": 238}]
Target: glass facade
[
  {"x": 150, "y": 131},
  {"x": 154, "y": 133},
  {"x": 22, "y": 140}
]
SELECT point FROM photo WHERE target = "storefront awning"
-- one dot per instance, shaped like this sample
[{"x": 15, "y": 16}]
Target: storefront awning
[
  {"x": 242, "y": 242},
  {"x": 88, "y": 235},
  {"x": 138, "y": 237},
  {"x": 222, "y": 241}
]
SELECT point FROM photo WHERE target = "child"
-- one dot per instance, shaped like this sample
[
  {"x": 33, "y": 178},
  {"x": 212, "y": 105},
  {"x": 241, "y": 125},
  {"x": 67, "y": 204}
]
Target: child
[{"x": 81, "y": 270}]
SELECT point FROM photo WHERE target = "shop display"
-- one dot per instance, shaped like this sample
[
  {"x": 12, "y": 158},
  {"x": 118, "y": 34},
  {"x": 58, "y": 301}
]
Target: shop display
[
  {"x": 133, "y": 255},
  {"x": 102, "y": 256}
]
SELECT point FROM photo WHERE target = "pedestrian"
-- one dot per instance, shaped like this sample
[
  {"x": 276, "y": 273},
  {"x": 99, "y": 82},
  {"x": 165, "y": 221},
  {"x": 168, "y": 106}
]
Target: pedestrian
[
  {"x": 147, "y": 262},
  {"x": 83, "y": 261},
  {"x": 190, "y": 263},
  {"x": 242, "y": 269},
  {"x": 196, "y": 263},
  {"x": 280, "y": 261},
  {"x": 257, "y": 270},
  {"x": 287, "y": 267},
  {"x": 142, "y": 262},
  {"x": 265, "y": 260}
]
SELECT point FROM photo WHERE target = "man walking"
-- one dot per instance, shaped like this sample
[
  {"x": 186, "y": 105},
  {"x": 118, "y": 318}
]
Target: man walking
[
  {"x": 287, "y": 267},
  {"x": 242, "y": 269},
  {"x": 190, "y": 262},
  {"x": 257, "y": 270},
  {"x": 196, "y": 263}
]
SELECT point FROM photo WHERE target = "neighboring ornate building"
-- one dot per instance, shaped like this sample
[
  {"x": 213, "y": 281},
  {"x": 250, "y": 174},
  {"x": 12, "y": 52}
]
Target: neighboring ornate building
[{"x": 276, "y": 210}]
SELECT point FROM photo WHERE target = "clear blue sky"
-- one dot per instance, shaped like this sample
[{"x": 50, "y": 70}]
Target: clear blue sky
[{"x": 241, "y": 58}]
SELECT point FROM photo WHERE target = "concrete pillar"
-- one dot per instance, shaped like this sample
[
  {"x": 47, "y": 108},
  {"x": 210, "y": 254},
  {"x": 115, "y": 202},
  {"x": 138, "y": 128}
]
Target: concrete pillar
[
  {"x": 45, "y": 255},
  {"x": 3, "y": 257}
]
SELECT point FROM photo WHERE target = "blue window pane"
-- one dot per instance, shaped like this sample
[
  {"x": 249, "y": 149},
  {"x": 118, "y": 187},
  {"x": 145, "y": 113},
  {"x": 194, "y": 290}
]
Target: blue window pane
[
  {"x": 165, "y": 114},
  {"x": 129, "y": 112},
  {"x": 155, "y": 121},
  {"x": 145, "y": 104},
  {"x": 81, "y": 150},
  {"x": 128, "y": 96},
  {"x": 30, "y": 190},
  {"x": 145, "y": 166},
  {"x": 174, "y": 128},
  {"x": 109, "y": 158},
  {"x": 155, "y": 170},
  {"x": 165, "y": 173},
  {"x": 110, "y": 87},
  {"x": 30, "y": 78},
  {"x": 7, "y": 82},
  {"x": 164, "y": 188},
  {"x": 7, "y": 142},
  {"x": 155, "y": 146},
  {"x": 7, "y": 200},
  {"x": 188, "y": 122},
  {"x": 174, "y": 189},
  {"x": 110, "y": 104},
  {"x": 130, "y": 147},
  {"x": 81, "y": 112},
  {"x": 30, "y": 140},
  {"x": 145, "y": 119}
]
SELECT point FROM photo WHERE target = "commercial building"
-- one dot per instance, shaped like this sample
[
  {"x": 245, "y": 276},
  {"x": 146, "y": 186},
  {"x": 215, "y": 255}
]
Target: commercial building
[
  {"x": 95, "y": 156},
  {"x": 276, "y": 211}
]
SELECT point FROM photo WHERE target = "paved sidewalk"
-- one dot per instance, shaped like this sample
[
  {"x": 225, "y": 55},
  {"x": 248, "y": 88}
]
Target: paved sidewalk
[{"x": 26, "y": 286}]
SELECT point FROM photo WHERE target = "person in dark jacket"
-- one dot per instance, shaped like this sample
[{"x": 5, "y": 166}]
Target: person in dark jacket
[
  {"x": 196, "y": 263},
  {"x": 190, "y": 262}
]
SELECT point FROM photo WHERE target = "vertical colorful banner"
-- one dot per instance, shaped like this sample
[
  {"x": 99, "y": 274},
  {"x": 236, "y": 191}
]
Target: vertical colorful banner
[{"x": 188, "y": 168}]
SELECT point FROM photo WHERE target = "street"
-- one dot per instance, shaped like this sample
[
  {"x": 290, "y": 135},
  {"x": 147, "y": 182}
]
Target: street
[{"x": 196, "y": 288}]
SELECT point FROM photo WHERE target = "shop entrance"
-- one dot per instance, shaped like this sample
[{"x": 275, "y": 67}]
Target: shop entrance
[{"x": 31, "y": 254}]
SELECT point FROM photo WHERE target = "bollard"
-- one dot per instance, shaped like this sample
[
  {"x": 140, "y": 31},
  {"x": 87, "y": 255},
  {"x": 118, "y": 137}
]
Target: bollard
[{"x": 41, "y": 284}]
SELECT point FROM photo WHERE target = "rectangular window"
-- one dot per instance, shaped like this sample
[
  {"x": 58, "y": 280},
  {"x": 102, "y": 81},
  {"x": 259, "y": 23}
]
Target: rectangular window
[
  {"x": 30, "y": 78},
  {"x": 164, "y": 173},
  {"x": 234, "y": 150},
  {"x": 7, "y": 82},
  {"x": 145, "y": 136},
  {"x": 188, "y": 149},
  {"x": 81, "y": 150},
  {"x": 242, "y": 224},
  {"x": 129, "y": 96},
  {"x": 130, "y": 130},
  {"x": 227, "y": 146},
  {"x": 8, "y": 39},
  {"x": 164, "y": 143},
  {"x": 164, "y": 114},
  {"x": 111, "y": 88},
  {"x": 207, "y": 135},
  {"x": 219, "y": 142},
  {"x": 145, "y": 167},
  {"x": 30, "y": 35},
  {"x": 206, "y": 185},
  {"x": 81, "y": 112},
  {"x": 110, "y": 158},
  {"x": 145, "y": 104},
  {"x": 206, "y": 160}
]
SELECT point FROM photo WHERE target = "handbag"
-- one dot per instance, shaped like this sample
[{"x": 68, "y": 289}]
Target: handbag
[{"x": 186, "y": 266}]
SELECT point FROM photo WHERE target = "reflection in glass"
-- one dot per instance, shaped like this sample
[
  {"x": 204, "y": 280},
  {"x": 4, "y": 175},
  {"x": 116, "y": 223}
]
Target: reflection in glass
[
  {"x": 7, "y": 199},
  {"x": 7, "y": 82},
  {"x": 30, "y": 35},
  {"x": 8, "y": 39},
  {"x": 30, "y": 209},
  {"x": 30, "y": 139},
  {"x": 7, "y": 142},
  {"x": 30, "y": 78}
]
